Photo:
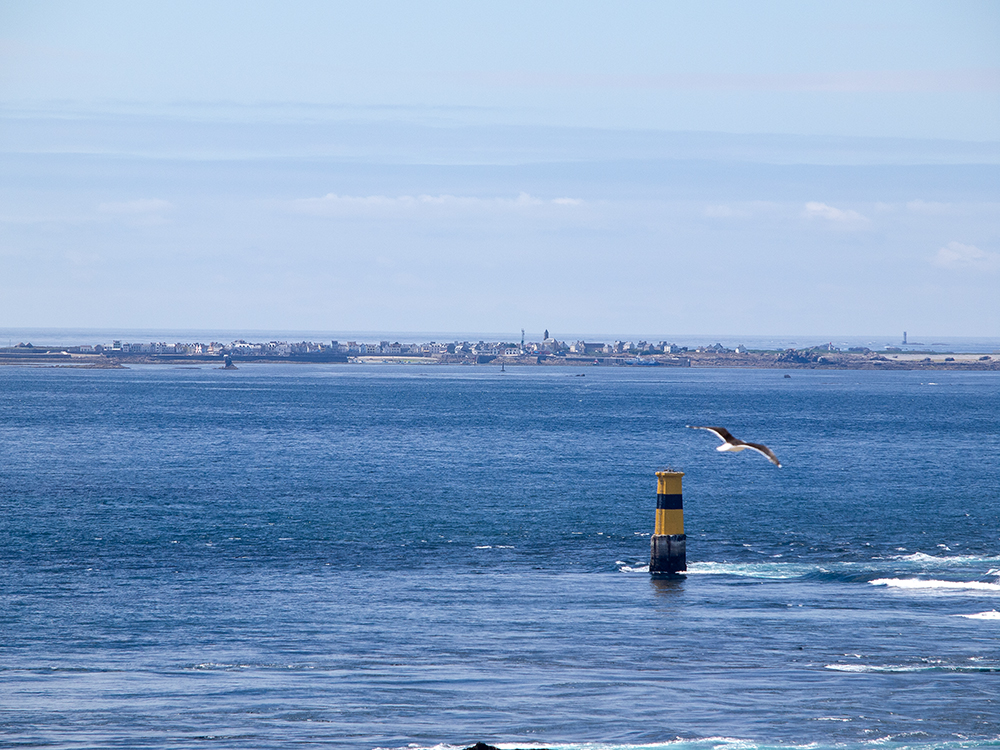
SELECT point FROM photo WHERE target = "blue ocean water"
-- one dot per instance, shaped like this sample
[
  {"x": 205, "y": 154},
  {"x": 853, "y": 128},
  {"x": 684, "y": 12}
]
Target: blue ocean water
[{"x": 390, "y": 556}]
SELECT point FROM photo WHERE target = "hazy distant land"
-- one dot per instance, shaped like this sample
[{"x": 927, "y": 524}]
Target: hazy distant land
[{"x": 547, "y": 353}]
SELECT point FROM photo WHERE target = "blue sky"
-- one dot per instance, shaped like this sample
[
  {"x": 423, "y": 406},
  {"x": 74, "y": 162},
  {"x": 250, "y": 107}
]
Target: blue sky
[{"x": 644, "y": 167}]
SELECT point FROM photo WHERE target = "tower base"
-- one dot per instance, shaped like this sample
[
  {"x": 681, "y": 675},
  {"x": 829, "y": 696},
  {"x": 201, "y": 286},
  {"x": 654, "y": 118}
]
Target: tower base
[{"x": 668, "y": 554}]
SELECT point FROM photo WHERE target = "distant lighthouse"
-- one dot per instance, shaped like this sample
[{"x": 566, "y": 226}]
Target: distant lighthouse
[{"x": 904, "y": 338}]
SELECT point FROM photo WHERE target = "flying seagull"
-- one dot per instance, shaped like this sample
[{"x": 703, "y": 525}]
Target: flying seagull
[{"x": 733, "y": 445}]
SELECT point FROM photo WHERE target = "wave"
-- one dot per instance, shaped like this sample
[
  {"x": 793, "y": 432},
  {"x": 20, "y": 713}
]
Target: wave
[
  {"x": 906, "y": 668},
  {"x": 839, "y": 570},
  {"x": 776, "y": 570},
  {"x": 923, "y": 584},
  {"x": 632, "y": 568},
  {"x": 211, "y": 666},
  {"x": 41, "y": 670},
  {"x": 729, "y": 743},
  {"x": 991, "y": 615},
  {"x": 947, "y": 560},
  {"x": 842, "y": 572}
]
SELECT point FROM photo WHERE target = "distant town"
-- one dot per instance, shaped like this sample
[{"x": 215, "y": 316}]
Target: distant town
[{"x": 550, "y": 351}]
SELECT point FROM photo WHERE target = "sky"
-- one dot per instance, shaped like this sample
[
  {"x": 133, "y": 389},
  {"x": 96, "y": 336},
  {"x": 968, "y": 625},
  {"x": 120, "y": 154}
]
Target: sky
[{"x": 656, "y": 168}]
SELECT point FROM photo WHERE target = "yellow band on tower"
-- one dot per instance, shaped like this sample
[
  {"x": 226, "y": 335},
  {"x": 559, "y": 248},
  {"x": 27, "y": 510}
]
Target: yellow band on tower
[
  {"x": 668, "y": 482},
  {"x": 669, "y": 521}
]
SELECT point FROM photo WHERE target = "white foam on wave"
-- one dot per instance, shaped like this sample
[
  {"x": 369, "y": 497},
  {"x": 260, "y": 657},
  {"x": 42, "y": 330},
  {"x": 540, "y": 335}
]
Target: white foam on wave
[
  {"x": 921, "y": 584},
  {"x": 774, "y": 570},
  {"x": 631, "y": 568},
  {"x": 927, "y": 665},
  {"x": 991, "y": 615},
  {"x": 863, "y": 668},
  {"x": 924, "y": 558},
  {"x": 777, "y": 570},
  {"x": 217, "y": 666}
]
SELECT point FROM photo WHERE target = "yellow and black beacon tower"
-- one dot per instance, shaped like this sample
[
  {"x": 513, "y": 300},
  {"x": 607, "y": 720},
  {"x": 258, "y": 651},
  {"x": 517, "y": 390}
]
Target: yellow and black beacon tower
[{"x": 668, "y": 554}]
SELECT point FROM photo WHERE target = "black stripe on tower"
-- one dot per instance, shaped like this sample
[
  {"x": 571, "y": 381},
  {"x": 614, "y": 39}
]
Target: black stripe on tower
[{"x": 669, "y": 502}]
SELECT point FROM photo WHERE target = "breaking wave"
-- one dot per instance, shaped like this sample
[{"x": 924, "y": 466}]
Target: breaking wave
[
  {"x": 991, "y": 615},
  {"x": 923, "y": 584}
]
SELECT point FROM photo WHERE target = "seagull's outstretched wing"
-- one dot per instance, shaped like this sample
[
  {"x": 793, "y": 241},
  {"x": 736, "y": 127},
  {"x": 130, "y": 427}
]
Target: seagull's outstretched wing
[
  {"x": 721, "y": 432},
  {"x": 764, "y": 451},
  {"x": 738, "y": 444}
]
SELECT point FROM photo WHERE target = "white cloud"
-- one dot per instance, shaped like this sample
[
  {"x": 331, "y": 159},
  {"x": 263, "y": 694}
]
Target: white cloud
[
  {"x": 340, "y": 205},
  {"x": 845, "y": 218},
  {"x": 955, "y": 255}
]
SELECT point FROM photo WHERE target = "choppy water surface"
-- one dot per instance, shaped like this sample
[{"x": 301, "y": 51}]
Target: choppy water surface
[{"x": 361, "y": 557}]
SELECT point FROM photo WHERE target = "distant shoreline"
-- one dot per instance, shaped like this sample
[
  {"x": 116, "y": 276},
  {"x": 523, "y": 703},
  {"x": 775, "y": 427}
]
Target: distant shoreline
[{"x": 757, "y": 360}]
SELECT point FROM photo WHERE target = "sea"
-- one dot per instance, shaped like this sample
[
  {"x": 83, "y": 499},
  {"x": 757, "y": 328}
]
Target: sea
[{"x": 419, "y": 556}]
